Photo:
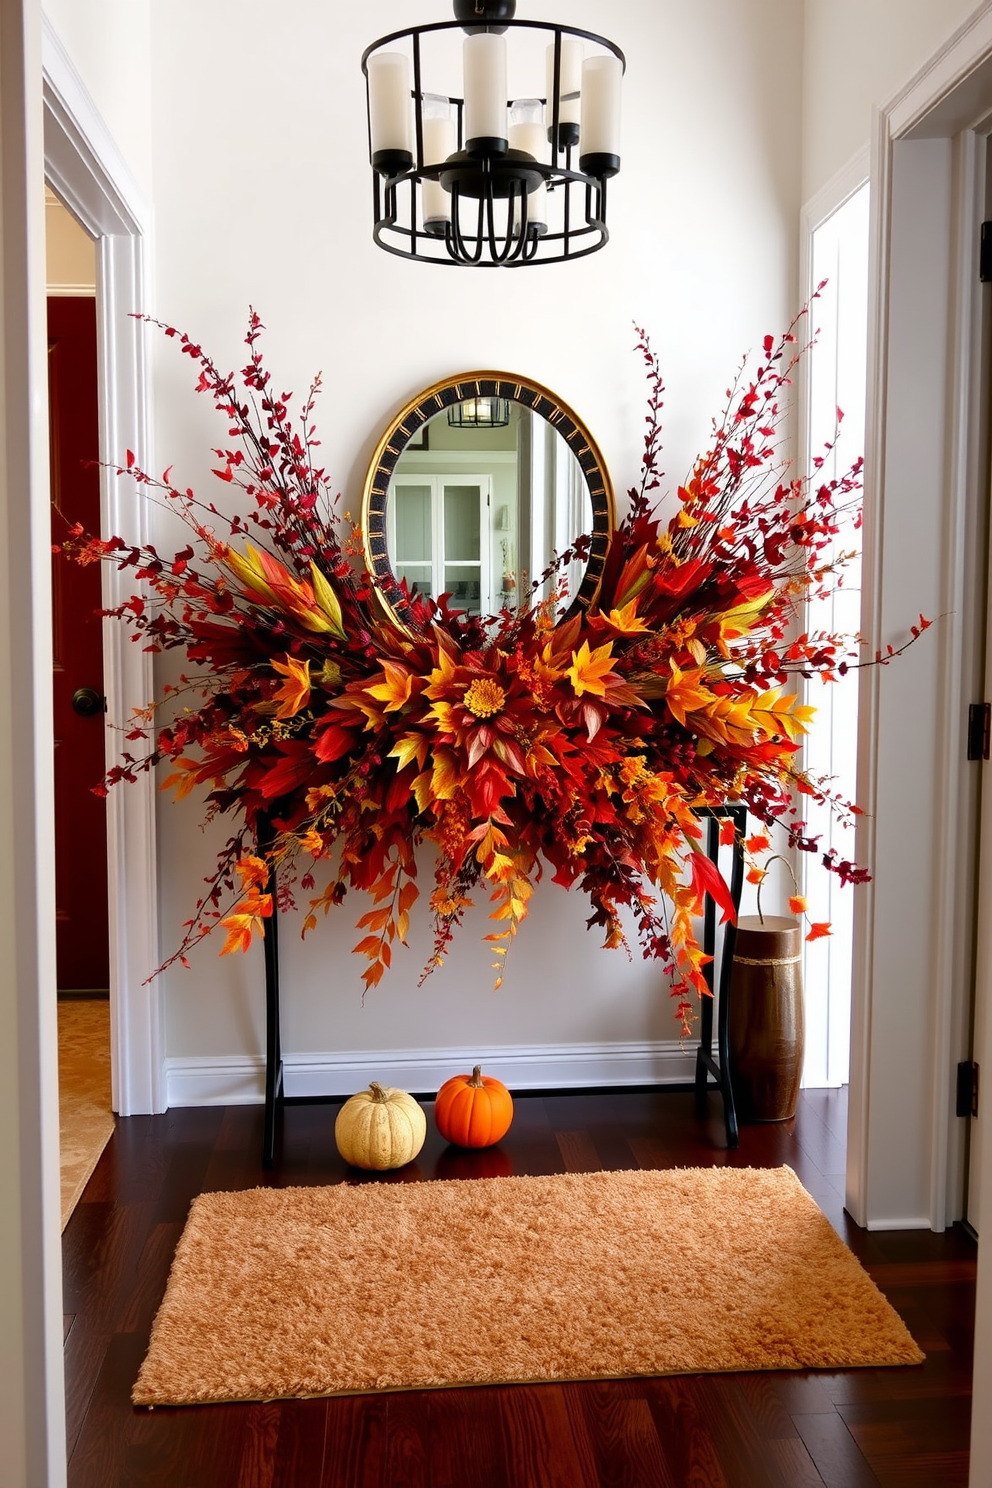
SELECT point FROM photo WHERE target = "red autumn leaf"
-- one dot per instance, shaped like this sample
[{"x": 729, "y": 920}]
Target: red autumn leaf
[
  {"x": 333, "y": 743},
  {"x": 292, "y": 771},
  {"x": 707, "y": 879},
  {"x": 727, "y": 832}
]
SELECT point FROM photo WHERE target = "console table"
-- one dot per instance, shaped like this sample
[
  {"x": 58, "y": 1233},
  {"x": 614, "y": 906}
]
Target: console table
[{"x": 707, "y": 1063}]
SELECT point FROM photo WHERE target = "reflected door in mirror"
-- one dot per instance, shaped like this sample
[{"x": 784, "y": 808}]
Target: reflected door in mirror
[{"x": 438, "y": 528}]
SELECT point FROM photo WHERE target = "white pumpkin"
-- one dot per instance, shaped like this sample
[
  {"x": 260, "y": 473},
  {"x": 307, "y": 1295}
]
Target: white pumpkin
[{"x": 380, "y": 1128}]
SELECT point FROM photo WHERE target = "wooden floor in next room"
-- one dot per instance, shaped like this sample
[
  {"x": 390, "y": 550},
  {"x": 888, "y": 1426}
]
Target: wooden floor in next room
[{"x": 872, "y": 1428}]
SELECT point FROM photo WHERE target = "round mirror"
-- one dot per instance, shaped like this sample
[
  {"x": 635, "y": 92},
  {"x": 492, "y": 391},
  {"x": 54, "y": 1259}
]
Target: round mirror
[{"x": 475, "y": 489}]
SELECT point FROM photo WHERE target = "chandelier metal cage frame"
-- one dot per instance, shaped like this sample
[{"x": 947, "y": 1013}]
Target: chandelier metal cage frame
[{"x": 491, "y": 173}]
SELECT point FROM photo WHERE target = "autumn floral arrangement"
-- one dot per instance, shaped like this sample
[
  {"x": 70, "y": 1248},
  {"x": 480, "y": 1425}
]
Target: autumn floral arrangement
[{"x": 516, "y": 744}]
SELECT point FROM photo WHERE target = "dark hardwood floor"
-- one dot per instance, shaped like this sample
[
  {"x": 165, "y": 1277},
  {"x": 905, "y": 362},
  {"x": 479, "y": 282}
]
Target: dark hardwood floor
[{"x": 897, "y": 1428}]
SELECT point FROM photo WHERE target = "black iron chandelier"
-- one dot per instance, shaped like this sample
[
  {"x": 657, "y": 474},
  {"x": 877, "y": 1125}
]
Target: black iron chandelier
[{"x": 480, "y": 178}]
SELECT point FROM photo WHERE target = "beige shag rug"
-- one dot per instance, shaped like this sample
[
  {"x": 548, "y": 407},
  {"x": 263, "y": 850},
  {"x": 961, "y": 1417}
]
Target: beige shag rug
[
  {"x": 276, "y": 1293},
  {"x": 86, "y": 1122}
]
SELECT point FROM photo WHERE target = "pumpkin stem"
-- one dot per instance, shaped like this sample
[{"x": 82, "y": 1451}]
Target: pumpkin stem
[
  {"x": 376, "y": 1091},
  {"x": 476, "y": 1080}
]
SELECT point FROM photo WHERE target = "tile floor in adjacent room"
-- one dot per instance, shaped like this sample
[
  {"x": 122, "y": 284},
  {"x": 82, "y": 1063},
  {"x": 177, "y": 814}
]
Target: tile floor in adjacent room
[{"x": 86, "y": 1122}]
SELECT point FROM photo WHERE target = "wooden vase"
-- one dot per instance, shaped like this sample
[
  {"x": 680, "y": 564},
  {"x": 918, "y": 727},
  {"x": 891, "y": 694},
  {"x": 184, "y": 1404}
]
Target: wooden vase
[{"x": 766, "y": 1018}]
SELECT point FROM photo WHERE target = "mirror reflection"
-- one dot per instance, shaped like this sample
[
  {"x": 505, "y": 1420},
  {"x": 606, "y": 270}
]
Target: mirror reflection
[{"x": 481, "y": 498}]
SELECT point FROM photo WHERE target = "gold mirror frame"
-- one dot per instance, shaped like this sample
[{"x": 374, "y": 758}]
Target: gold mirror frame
[{"x": 436, "y": 399}]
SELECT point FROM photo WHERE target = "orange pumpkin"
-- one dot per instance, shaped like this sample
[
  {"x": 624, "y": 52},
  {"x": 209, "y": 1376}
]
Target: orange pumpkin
[{"x": 473, "y": 1110}]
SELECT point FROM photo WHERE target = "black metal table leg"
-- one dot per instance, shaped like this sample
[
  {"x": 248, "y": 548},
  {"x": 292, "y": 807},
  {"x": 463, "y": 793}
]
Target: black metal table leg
[
  {"x": 274, "y": 1089},
  {"x": 706, "y": 1064},
  {"x": 723, "y": 1038},
  {"x": 705, "y": 1047}
]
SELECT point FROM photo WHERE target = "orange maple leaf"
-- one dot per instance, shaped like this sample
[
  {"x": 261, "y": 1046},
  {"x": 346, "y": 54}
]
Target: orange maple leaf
[
  {"x": 253, "y": 872},
  {"x": 684, "y": 695},
  {"x": 244, "y": 920},
  {"x": 818, "y": 930},
  {"x": 797, "y": 904},
  {"x": 294, "y": 693},
  {"x": 396, "y": 689}
]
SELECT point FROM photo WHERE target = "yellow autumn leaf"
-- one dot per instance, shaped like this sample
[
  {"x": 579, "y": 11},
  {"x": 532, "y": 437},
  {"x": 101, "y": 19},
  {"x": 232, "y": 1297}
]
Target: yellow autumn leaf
[
  {"x": 328, "y": 600},
  {"x": 590, "y": 668},
  {"x": 626, "y": 620},
  {"x": 411, "y": 747},
  {"x": 249, "y": 570},
  {"x": 445, "y": 778}
]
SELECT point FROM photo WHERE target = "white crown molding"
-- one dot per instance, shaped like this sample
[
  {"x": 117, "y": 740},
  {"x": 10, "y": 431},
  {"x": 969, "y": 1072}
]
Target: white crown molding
[
  {"x": 71, "y": 291},
  {"x": 965, "y": 51},
  {"x": 240, "y": 1079},
  {"x": 78, "y": 142}
]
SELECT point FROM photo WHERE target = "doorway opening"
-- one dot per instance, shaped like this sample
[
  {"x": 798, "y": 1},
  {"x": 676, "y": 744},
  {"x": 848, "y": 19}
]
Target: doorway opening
[
  {"x": 88, "y": 175},
  {"x": 81, "y": 925}
]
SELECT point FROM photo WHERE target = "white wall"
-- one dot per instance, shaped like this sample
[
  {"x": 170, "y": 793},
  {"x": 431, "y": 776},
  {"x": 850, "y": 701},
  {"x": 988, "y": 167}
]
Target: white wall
[
  {"x": 262, "y": 196},
  {"x": 857, "y": 53},
  {"x": 108, "y": 41}
]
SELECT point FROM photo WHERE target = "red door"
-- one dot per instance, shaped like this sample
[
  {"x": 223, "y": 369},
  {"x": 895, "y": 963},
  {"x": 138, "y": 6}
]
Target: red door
[{"x": 80, "y": 816}]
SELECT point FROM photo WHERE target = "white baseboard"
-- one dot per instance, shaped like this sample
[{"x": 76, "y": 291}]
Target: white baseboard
[
  {"x": 230, "y": 1080},
  {"x": 923, "y": 1223}
]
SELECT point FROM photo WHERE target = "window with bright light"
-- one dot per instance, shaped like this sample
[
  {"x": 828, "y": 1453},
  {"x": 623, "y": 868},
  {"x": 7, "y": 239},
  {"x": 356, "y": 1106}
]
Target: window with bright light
[{"x": 837, "y": 381}]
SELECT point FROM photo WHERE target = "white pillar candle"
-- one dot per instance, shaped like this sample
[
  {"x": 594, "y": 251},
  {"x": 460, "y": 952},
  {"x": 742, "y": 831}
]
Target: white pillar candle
[
  {"x": 537, "y": 210},
  {"x": 439, "y": 143},
  {"x": 599, "y": 129},
  {"x": 484, "y": 61},
  {"x": 390, "y": 103},
  {"x": 531, "y": 138},
  {"x": 570, "y": 80}
]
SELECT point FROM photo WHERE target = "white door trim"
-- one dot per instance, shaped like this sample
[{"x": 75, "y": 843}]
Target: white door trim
[
  {"x": 941, "y": 109},
  {"x": 85, "y": 168}
]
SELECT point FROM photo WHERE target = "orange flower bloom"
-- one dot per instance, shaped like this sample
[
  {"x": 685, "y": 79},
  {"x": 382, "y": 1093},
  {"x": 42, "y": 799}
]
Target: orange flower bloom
[{"x": 484, "y": 697}]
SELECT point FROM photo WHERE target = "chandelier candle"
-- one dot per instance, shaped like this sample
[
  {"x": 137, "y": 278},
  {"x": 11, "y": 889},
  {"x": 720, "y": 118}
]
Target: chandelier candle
[
  {"x": 485, "y": 94},
  {"x": 391, "y": 117},
  {"x": 599, "y": 130},
  {"x": 527, "y": 133},
  {"x": 569, "y": 87},
  {"x": 439, "y": 143}
]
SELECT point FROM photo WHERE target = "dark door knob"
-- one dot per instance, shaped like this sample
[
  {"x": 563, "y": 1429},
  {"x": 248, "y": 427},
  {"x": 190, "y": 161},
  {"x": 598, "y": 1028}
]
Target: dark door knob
[{"x": 87, "y": 702}]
